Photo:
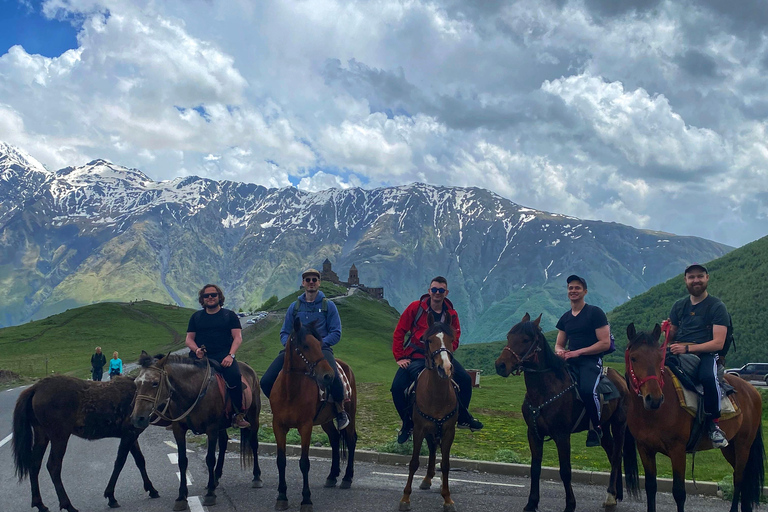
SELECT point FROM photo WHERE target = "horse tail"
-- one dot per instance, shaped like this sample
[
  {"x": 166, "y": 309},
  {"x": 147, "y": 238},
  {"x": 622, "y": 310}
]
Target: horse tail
[
  {"x": 23, "y": 434},
  {"x": 246, "y": 451},
  {"x": 754, "y": 472},
  {"x": 631, "y": 474}
]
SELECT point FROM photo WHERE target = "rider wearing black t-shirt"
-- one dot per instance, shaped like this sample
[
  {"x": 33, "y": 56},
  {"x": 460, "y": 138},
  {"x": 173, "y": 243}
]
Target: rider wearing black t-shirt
[
  {"x": 219, "y": 330},
  {"x": 585, "y": 328}
]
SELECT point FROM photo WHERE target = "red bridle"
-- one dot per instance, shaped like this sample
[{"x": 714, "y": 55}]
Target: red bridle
[{"x": 637, "y": 383}]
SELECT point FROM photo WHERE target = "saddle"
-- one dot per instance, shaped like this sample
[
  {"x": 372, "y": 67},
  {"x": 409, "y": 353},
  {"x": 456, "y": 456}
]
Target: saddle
[
  {"x": 410, "y": 391},
  {"x": 325, "y": 396},
  {"x": 606, "y": 389}
]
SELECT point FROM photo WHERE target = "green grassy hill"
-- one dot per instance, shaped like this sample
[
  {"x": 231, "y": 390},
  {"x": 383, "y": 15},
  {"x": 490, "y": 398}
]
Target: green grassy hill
[
  {"x": 64, "y": 343},
  {"x": 736, "y": 278}
]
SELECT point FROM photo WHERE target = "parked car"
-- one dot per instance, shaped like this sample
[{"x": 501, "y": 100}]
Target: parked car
[
  {"x": 251, "y": 321},
  {"x": 241, "y": 315},
  {"x": 751, "y": 371}
]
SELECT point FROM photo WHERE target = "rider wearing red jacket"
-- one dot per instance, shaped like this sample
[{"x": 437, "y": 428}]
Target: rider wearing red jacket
[{"x": 408, "y": 348}]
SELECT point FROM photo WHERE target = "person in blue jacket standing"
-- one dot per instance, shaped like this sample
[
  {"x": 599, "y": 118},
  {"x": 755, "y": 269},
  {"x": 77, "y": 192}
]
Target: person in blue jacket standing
[
  {"x": 312, "y": 306},
  {"x": 115, "y": 366}
]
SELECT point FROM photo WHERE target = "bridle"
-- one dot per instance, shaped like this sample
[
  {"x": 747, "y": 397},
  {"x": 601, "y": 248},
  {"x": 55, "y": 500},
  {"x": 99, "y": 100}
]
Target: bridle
[
  {"x": 166, "y": 383},
  {"x": 310, "y": 370},
  {"x": 638, "y": 383},
  {"x": 429, "y": 364},
  {"x": 532, "y": 355}
]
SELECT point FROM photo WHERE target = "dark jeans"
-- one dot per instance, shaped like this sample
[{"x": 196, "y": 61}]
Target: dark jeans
[
  {"x": 405, "y": 376},
  {"x": 233, "y": 378},
  {"x": 707, "y": 375},
  {"x": 587, "y": 370},
  {"x": 97, "y": 374},
  {"x": 270, "y": 376}
]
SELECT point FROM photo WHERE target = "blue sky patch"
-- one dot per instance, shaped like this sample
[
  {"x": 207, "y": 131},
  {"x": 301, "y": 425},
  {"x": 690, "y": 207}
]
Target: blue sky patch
[{"x": 29, "y": 28}]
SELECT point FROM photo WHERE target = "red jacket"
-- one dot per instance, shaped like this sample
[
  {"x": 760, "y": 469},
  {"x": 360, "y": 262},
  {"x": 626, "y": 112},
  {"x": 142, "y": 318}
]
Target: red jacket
[{"x": 406, "y": 322}]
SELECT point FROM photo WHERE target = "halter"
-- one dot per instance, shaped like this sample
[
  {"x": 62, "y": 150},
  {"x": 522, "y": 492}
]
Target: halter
[
  {"x": 532, "y": 354},
  {"x": 430, "y": 365},
  {"x": 310, "y": 366},
  {"x": 165, "y": 382},
  {"x": 637, "y": 383}
]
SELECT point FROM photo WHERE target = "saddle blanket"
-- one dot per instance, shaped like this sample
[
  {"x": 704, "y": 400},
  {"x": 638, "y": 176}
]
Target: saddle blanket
[
  {"x": 345, "y": 384},
  {"x": 689, "y": 400},
  {"x": 247, "y": 395}
]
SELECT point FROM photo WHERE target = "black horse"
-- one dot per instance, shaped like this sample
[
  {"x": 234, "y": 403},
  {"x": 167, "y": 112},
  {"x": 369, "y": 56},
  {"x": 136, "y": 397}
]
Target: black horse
[{"x": 59, "y": 406}]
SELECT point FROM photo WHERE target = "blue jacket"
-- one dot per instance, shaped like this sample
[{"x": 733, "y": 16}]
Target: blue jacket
[{"x": 328, "y": 324}]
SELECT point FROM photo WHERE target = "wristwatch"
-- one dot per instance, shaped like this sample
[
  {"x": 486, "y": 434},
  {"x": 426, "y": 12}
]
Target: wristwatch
[{"x": 232, "y": 356}]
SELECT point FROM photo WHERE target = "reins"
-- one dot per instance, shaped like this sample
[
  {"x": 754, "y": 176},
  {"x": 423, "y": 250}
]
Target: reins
[{"x": 165, "y": 382}]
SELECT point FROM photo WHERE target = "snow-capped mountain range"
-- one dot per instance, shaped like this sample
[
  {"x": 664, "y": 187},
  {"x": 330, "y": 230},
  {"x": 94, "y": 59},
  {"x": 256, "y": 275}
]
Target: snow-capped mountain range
[{"x": 104, "y": 232}]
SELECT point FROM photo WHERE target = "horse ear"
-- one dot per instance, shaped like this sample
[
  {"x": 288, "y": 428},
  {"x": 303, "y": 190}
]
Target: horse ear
[
  {"x": 296, "y": 324},
  {"x": 537, "y": 321},
  {"x": 631, "y": 331},
  {"x": 526, "y": 318},
  {"x": 656, "y": 332}
]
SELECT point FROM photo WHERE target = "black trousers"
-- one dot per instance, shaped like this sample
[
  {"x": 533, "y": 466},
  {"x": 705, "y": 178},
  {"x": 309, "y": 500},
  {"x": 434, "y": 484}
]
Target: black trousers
[
  {"x": 97, "y": 374},
  {"x": 270, "y": 376},
  {"x": 707, "y": 375},
  {"x": 233, "y": 378},
  {"x": 587, "y": 370},
  {"x": 405, "y": 376}
]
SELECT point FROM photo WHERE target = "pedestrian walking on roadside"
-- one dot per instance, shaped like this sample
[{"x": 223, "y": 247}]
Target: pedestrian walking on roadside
[
  {"x": 98, "y": 360},
  {"x": 115, "y": 366}
]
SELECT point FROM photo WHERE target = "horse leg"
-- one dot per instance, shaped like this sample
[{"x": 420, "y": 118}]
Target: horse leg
[
  {"x": 282, "y": 487},
  {"x": 210, "y": 461},
  {"x": 648, "y": 458},
  {"x": 678, "y": 476},
  {"x": 253, "y": 439},
  {"x": 58, "y": 448},
  {"x": 305, "y": 431},
  {"x": 179, "y": 434},
  {"x": 138, "y": 458},
  {"x": 418, "y": 438},
  {"x": 38, "y": 451},
  {"x": 351, "y": 440},
  {"x": 536, "y": 446},
  {"x": 219, "y": 470},
  {"x": 729, "y": 452},
  {"x": 334, "y": 438},
  {"x": 563, "y": 443},
  {"x": 445, "y": 467},
  {"x": 122, "y": 453},
  {"x": 613, "y": 449},
  {"x": 427, "y": 482}
]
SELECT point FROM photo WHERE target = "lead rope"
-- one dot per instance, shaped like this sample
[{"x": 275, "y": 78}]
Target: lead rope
[{"x": 166, "y": 382}]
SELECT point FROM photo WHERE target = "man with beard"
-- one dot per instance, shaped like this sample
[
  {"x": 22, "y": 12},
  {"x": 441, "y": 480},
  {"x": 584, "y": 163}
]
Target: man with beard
[
  {"x": 699, "y": 324},
  {"x": 219, "y": 330}
]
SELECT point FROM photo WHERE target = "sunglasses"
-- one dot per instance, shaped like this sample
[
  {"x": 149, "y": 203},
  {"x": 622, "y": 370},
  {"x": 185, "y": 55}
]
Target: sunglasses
[
  {"x": 210, "y": 295},
  {"x": 311, "y": 279},
  {"x": 437, "y": 290}
]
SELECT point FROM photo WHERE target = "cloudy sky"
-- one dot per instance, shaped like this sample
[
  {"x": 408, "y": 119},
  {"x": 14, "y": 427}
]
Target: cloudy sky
[{"x": 650, "y": 113}]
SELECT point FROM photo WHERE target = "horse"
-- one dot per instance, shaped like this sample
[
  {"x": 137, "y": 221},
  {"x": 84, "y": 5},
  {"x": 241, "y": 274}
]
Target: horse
[
  {"x": 656, "y": 425},
  {"x": 59, "y": 406},
  {"x": 182, "y": 391},
  {"x": 552, "y": 408},
  {"x": 295, "y": 403},
  {"x": 435, "y": 411}
]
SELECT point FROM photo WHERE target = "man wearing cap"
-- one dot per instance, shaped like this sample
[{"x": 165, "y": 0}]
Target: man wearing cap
[
  {"x": 312, "y": 306},
  {"x": 699, "y": 324},
  {"x": 586, "y": 331}
]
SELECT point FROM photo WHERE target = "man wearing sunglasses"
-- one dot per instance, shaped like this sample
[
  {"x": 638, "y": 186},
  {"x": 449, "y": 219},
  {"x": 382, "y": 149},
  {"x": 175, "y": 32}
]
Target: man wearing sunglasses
[
  {"x": 408, "y": 351},
  {"x": 312, "y": 306},
  {"x": 219, "y": 330}
]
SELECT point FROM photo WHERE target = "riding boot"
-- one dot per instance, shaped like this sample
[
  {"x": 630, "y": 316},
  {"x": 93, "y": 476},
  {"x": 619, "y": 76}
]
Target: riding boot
[{"x": 342, "y": 418}]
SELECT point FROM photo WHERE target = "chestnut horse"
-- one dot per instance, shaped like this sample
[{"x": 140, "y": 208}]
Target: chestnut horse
[
  {"x": 551, "y": 408},
  {"x": 181, "y": 391},
  {"x": 295, "y": 402},
  {"x": 435, "y": 411},
  {"x": 57, "y": 407},
  {"x": 659, "y": 425}
]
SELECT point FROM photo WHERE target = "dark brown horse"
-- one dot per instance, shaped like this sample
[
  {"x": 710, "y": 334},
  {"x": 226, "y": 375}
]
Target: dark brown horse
[
  {"x": 181, "y": 390},
  {"x": 57, "y": 407},
  {"x": 551, "y": 408},
  {"x": 295, "y": 403},
  {"x": 659, "y": 425},
  {"x": 435, "y": 411}
]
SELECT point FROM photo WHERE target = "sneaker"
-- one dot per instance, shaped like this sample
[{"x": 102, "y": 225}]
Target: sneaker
[
  {"x": 342, "y": 420},
  {"x": 473, "y": 424},
  {"x": 239, "y": 421},
  {"x": 717, "y": 437},
  {"x": 594, "y": 436},
  {"x": 405, "y": 433}
]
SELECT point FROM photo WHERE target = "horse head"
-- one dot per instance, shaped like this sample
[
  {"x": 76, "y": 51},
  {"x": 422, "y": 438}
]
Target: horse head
[
  {"x": 148, "y": 383},
  {"x": 438, "y": 344},
  {"x": 305, "y": 350},
  {"x": 525, "y": 344},
  {"x": 644, "y": 361}
]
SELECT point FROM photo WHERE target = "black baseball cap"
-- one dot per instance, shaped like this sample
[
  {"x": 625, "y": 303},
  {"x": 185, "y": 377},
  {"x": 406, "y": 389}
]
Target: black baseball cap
[
  {"x": 574, "y": 277},
  {"x": 696, "y": 265}
]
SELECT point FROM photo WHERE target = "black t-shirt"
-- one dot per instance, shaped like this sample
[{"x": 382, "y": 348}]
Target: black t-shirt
[
  {"x": 694, "y": 324},
  {"x": 580, "y": 329},
  {"x": 214, "y": 331}
]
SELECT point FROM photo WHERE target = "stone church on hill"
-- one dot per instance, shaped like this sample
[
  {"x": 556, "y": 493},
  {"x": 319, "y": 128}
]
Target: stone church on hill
[{"x": 327, "y": 274}]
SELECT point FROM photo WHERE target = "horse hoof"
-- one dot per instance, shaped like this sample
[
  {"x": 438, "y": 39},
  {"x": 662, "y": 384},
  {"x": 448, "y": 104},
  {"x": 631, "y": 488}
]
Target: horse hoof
[
  {"x": 180, "y": 505},
  {"x": 281, "y": 505},
  {"x": 529, "y": 508},
  {"x": 306, "y": 508},
  {"x": 154, "y": 494},
  {"x": 330, "y": 482},
  {"x": 405, "y": 505},
  {"x": 257, "y": 484},
  {"x": 209, "y": 501},
  {"x": 425, "y": 485},
  {"x": 114, "y": 504},
  {"x": 345, "y": 484},
  {"x": 449, "y": 508}
]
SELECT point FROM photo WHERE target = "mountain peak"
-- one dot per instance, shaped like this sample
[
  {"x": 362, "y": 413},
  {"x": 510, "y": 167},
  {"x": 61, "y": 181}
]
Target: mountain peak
[{"x": 10, "y": 155}]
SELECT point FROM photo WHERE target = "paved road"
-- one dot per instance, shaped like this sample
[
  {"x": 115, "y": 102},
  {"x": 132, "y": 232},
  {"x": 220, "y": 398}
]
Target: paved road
[{"x": 377, "y": 487}]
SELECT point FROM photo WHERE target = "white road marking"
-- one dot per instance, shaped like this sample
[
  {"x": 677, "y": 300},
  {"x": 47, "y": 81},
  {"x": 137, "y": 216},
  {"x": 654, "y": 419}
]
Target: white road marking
[
  {"x": 174, "y": 457},
  {"x": 4, "y": 441},
  {"x": 195, "y": 505},
  {"x": 189, "y": 477},
  {"x": 452, "y": 479},
  {"x": 173, "y": 445}
]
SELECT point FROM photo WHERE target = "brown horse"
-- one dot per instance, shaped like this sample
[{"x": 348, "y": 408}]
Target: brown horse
[
  {"x": 295, "y": 403},
  {"x": 657, "y": 425},
  {"x": 435, "y": 411},
  {"x": 57, "y": 407},
  {"x": 552, "y": 408},
  {"x": 181, "y": 390}
]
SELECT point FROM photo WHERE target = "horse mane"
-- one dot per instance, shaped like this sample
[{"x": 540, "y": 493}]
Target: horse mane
[
  {"x": 310, "y": 328},
  {"x": 179, "y": 359},
  {"x": 533, "y": 331},
  {"x": 438, "y": 327},
  {"x": 146, "y": 360},
  {"x": 643, "y": 338}
]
